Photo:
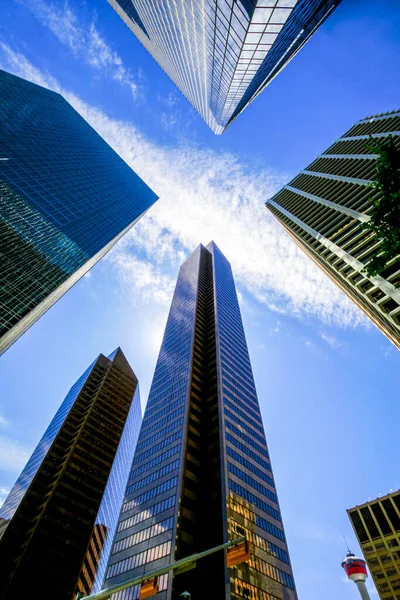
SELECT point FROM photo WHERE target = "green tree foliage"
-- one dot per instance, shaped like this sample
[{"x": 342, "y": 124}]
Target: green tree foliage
[{"x": 385, "y": 213}]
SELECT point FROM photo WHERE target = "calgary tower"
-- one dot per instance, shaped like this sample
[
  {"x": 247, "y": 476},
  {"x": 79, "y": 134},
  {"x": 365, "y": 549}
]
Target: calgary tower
[{"x": 356, "y": 571}]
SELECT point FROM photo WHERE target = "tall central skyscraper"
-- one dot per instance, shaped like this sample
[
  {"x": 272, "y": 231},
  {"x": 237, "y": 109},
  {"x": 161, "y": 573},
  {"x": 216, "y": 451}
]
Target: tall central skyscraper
[
  {"x": 201, "y": 474},
  {"x": 65, "y": 199},
  {"x": 222, "y": 53}
]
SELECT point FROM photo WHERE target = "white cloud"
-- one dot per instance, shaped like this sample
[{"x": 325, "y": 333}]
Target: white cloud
[
  {"x": 3, "y": 421},
  {"x": 84, "y": 40},
  {"x": 171, "y": 100},
  {"x": 13, "y": 456},
  {"x": 206, "y": 195},
  {"x": 3, "y": 495},
  {"x": 143, "y": 279},
  {"x": 276, "y": 329},
  {"x": 169, "y": 120},
  {"x": 331, "y": 340}
]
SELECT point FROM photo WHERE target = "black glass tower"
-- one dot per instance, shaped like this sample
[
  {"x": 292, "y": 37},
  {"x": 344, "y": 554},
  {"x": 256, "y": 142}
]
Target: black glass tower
[
  {"x": 202, "y": 474},
  {"x": 65, "y": 199},
  {"x": 222, "y": 53},
  {"x": 58, "y": 522}
]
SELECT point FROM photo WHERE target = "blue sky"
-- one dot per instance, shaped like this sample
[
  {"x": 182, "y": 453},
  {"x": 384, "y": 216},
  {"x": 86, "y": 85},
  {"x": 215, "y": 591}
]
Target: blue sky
[{"x": 327, "y": 380}]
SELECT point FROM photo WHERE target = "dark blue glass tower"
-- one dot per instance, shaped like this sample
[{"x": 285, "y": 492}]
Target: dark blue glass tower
[
  {"x": 65, "y": 199},
  {"x": 201, "y": 473},
  {"x": 58, "y": 522}
]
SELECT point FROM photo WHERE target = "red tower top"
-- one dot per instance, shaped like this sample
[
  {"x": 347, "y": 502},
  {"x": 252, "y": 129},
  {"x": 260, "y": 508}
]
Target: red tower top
[{"x": 355, "y": 568}]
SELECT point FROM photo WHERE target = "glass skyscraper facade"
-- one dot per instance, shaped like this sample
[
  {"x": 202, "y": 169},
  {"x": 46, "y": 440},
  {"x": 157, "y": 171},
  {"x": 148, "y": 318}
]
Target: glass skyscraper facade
[
  {"x": 201, "y": 473},
  {"x": 222, "y": 53},
  {"x": 324, "y": 208},
  {"x": 65, "y": 199},
  {"x": 58, "y": 522},
  {"x": 377, "y": 527}
]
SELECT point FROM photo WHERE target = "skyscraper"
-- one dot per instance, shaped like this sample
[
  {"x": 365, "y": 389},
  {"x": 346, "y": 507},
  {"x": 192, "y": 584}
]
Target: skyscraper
[
  {"x": 57, "y": 524},
  {"x": 201, "y": 474},
  {"x": 65, "y": 199},
  {"x": 377, "y": 527},
  {"x": 222, "y": 54},
  {"x": 324, "y": 208}
]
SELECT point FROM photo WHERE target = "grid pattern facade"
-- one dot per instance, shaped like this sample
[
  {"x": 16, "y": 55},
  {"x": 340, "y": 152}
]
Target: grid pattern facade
[
  {"x": 201, "y": 473},
  {"x": 377, "y": 527},
  {"x": 65, "y": 199},
  {"x": 324, "y": 209},
  {"x": 221, "y": 54},
  {"x": 58, "y": 522}
]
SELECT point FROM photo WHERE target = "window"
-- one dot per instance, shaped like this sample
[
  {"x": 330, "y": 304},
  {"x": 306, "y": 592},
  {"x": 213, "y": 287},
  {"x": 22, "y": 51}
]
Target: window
[
  {"x": 252, "y": 482},
  {"x": 246, "y": 590},
  {"x": 238, "y": 489},
  {"x": 247, "y": 451},
  {"x": 237, "y": 506},
  {"x": 156, "y": 461},
  {"x": 152, "y": 477},
  {"x": 143, "y": 535},
  {"x": 258, "y": 540},
  {"x": 139, "y": 559},
  {"x": 248, "y": 465},
  {"x": 271, "y": 571}
]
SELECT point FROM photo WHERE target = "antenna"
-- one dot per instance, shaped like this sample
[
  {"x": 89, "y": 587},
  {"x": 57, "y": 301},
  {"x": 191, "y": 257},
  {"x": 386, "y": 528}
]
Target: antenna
[{"x": 347, "y": 546}]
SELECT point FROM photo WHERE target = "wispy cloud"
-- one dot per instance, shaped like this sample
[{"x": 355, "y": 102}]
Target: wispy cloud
[
  {"x": 3, "y": 495},
  {"x": 13, "y": 456},
  {"x": 332, "y": 341},
  {"x": 276, "y": 329},
  {"x": 206, "y": 195},
  {"x": 3, "y": 421},
  {"x": 170, "y": 100},
  {"x": 176, "y": 116},
  {"x": 149, "y": 282},
  {"x": 84, "y": 41}
]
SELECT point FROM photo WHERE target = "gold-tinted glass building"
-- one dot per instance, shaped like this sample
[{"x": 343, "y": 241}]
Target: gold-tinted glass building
[
  {"x": 60, "y": 516},
  {"x": 324, "y": 208},
  {"x": 377, "y": 527},
  {"x": 92, "y": 559}
]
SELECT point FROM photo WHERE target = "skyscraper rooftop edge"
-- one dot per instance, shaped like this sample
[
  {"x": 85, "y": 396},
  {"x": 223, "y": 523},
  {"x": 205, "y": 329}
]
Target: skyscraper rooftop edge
[
  {"x": 220, "y": 55},
  {"x": 384, "y": 115},
  {"x": 25, "y": 83},
  {"x": 374, "y": 499},
  {"x": 61, "y": 513},
  {"x": 67, "y": 198},
  {"x": 119, "y": 357},
  {"x": 11, "y": 79},
  {"x": 324, "y": 209}
]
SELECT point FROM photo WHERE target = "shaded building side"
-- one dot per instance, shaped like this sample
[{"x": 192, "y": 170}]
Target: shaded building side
[
  {"x": 324, "y": 209},
  {"x": 50, "y": 534},
  {"x": 377, "y": 527}
]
